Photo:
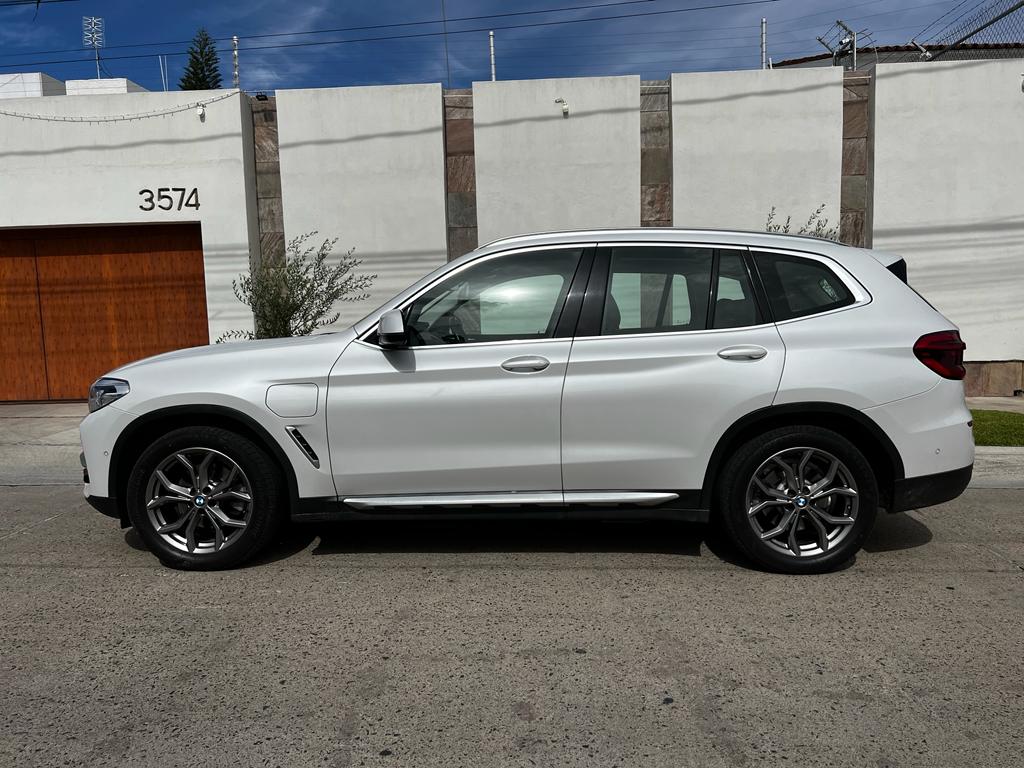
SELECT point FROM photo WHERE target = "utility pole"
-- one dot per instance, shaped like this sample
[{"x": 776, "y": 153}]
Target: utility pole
[
  {"x": 234, "y": 61},
  {"x": 490, "y": 36},
  {"x": 92, "y": 37},
  {"x": 764, "y": 43}
]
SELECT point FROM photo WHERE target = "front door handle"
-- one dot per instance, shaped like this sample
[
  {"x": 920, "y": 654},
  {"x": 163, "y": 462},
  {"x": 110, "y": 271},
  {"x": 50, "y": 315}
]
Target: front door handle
[
  {"x": 526, "y": 364},
  {"x": 746, "y": 352}
]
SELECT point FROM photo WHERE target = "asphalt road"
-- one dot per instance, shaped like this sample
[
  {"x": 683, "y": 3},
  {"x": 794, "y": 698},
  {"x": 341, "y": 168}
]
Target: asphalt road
[{"x": 509, "y": 644}]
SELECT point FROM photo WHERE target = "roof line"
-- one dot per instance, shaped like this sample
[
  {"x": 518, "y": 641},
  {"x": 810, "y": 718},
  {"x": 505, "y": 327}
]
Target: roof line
[{"x": 705, "y": 230}]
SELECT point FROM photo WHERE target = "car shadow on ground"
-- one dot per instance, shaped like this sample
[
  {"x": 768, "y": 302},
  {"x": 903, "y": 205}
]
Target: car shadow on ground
[
  {"x": 891, "y": 533},
  {"x": 895, "y": 532}
]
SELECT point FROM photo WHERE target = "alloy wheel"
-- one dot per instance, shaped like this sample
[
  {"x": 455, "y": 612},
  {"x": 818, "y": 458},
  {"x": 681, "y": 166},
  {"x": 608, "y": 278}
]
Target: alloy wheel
[
  {"x": 802, "y": 501},
  {"x": 199, "y": 500}
]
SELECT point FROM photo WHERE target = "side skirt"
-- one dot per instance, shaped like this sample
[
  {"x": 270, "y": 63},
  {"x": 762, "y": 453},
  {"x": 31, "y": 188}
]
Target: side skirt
[{"x": 576, "y": 505}]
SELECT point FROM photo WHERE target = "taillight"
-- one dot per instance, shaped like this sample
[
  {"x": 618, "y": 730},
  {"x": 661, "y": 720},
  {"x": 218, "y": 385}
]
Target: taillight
[{"x": 943, "y": 352}]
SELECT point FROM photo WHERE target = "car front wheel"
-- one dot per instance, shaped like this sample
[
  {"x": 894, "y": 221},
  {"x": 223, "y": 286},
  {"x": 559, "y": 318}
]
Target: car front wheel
[
  {"x": 205, "y": 498},
  {"x": 798, "y": 499}
]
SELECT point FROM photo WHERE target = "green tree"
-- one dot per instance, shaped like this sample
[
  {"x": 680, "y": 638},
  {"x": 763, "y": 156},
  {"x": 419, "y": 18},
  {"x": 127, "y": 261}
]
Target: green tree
[
  {"x": 203, "y": 69},
  {"x": 296, "y": 296}
]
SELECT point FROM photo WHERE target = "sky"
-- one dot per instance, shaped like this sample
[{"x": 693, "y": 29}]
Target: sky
[{"x": 673, "y": 36}]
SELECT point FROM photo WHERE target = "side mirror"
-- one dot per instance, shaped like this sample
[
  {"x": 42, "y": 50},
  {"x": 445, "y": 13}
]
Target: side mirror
[{"x": 391, "y": 333}]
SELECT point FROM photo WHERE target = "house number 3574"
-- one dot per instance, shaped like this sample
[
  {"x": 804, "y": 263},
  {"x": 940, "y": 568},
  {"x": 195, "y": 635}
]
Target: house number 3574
[{"x": 169, "y": 198}]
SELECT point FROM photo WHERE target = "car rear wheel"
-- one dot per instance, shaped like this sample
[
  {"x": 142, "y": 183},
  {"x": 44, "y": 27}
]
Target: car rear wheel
[
  {"x": 205, "y": 498},
  {"x": 798, "y": 499}
]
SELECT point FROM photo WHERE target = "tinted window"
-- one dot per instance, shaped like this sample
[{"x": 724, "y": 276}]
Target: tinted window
[
  {"x": 658, "y": 289},
  {"x": 735, "y": 305},
  {"x": 798, "y": 287},
  {"x": 518, "y": 296},
  {"x": 653, "y": 289}
]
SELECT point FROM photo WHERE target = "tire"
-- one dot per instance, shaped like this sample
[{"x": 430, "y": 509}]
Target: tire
[
  {"x": 828, "y": 520},
  {"x": 219, "y": 479}
]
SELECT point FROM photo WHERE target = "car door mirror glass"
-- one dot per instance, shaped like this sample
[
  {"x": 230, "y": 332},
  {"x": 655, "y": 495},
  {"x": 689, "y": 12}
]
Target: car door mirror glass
[{"x": 391, "y": 332}]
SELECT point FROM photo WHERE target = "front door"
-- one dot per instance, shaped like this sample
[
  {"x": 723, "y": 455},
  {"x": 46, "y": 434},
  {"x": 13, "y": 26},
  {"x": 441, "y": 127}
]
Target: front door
[
  {"x": 472, "y": 405},
  {"x": 675, "y": 351}
]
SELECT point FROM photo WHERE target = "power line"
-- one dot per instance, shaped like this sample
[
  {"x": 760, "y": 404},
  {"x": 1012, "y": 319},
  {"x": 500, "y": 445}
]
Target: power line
[
  {"x": 364, "y": 28},
  {"x": 936, "y": 21},
  {"x": 12, "y": 3},
  {"x": 431, "y": 34}
]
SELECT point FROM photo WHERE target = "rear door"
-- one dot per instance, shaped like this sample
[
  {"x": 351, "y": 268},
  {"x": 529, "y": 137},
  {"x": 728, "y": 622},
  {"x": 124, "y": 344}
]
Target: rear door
[{"x": 673, "y": 346}]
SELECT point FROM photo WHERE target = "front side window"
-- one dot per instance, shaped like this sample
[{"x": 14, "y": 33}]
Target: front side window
[
  {"x": 517, "y": 296},
  {"x": 798, "y": 287},
  {"x": 658, "y": 289}
]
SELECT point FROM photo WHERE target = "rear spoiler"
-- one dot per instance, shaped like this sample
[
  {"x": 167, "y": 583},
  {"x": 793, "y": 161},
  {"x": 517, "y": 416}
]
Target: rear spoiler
[
  {"x": 891, "y": 261},
  {"x": 899, "y": 268}
]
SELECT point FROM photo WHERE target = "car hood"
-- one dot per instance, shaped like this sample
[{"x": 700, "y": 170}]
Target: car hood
[
  {"x": 240, "y": 350},
  {"x": 234, "y": 375}
]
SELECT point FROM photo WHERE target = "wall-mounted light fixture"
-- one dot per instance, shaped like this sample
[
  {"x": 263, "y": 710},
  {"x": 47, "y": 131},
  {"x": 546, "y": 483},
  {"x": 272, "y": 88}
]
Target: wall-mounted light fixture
[
  {"x": 565, "y": 106},
  {"x": 201, "y": 112}
]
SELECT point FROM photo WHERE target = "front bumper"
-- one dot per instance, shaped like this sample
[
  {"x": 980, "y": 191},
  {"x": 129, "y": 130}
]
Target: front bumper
[
  {"x": 928, "y": 490},
  {"x": 104, "y": 505}
]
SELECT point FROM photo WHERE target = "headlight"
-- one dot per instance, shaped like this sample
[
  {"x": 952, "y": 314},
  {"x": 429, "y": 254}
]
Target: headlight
[{"x": 105, "y": 391}]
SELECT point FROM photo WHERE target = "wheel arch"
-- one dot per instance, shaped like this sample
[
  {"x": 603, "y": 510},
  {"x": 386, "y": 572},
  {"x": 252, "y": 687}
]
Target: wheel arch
[
  {"x": 870, "y": 439},
  {"x": 134, "y": 439}
]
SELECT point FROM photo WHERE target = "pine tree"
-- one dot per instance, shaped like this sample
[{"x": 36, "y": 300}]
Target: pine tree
[{"x": 203, "y": 69}]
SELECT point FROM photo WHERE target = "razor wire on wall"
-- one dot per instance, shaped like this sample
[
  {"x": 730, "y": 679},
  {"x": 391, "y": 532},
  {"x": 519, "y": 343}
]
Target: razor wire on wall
[{"x": 991, "y": 29}]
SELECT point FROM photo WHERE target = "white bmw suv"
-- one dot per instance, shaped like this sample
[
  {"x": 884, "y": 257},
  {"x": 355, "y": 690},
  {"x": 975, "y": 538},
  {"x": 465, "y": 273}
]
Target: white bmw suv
[{"x": 783, "y": 387}]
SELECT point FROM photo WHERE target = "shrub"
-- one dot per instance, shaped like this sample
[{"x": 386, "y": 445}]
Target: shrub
[
  {"x": 297, "y": 296},
  {"x": 816, "y": 226}
]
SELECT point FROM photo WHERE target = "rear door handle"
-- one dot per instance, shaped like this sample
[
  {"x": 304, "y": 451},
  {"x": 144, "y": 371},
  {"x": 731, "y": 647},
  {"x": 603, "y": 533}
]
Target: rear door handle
[
  {"x": 526, "y": 364},
  {"x": 746, "y": 352}
]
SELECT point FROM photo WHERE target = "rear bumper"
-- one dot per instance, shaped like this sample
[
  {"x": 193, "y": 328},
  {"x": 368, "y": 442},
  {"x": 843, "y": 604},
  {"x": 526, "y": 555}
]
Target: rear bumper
[{"x": 928, "y": 490}]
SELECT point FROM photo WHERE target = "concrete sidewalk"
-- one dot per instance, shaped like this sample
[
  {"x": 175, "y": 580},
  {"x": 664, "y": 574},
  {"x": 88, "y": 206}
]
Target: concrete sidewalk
[
  {"x": 1011, "y": 404},
  {"x": 39, "y": 446},
  {"x": 39, "y": 443}
]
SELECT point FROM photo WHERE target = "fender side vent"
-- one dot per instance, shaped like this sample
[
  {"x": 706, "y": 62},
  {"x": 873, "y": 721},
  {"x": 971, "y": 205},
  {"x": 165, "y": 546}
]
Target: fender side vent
[{"x": 304, "y": 446}]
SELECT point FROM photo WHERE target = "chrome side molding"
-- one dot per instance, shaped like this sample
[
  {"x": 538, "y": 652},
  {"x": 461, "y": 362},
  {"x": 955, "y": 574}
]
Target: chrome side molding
[{"x": 512, "y": 499}]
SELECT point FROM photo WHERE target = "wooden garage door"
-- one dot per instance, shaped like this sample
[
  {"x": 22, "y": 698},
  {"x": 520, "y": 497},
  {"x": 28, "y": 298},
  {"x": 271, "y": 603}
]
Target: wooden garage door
[{"x": 81, "y": 301}]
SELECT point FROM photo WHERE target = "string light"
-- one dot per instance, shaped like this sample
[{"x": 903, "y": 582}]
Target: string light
[{"x": 118, "y": 118}]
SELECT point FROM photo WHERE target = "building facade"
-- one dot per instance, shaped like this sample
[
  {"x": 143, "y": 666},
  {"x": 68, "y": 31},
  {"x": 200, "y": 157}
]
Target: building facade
[{"x": 126, "y": 216}]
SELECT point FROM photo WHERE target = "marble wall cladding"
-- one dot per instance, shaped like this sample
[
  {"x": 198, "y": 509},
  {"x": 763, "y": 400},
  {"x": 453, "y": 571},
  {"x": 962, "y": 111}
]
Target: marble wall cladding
[
  {"x": 655, "y": 154},
  {"x": 855, "y": 188},
  {"x": 460, "y": 172},
  {"x": 269, "y": 204}
]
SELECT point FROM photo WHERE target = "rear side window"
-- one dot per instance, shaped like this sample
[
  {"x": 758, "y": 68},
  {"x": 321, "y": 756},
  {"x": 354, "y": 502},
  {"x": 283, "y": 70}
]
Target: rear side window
[
  {"x": 798, "y": 287},
  {"x": 654, "y": 289},
  {"x": 659, "y": 289}
]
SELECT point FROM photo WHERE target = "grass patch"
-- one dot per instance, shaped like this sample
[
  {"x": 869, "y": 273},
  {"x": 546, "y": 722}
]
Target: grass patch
[{"x": 998, "y": 428}]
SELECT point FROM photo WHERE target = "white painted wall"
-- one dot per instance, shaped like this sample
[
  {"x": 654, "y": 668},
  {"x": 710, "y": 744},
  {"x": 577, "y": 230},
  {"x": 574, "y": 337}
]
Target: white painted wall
[
  {"x": 745, "y": 141},
  {"x": 949, "y": 163},
  {"x": 59, "y": 173},
  {"x": 537, "y": 170},
  {"x": 366, "y": 165},
  {"x": 19, "y": 85},
  {"x": 102, "y": 85}
]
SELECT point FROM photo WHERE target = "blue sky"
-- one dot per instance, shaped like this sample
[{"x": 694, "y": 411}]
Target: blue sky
[{"x": 651, "y": 46}]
